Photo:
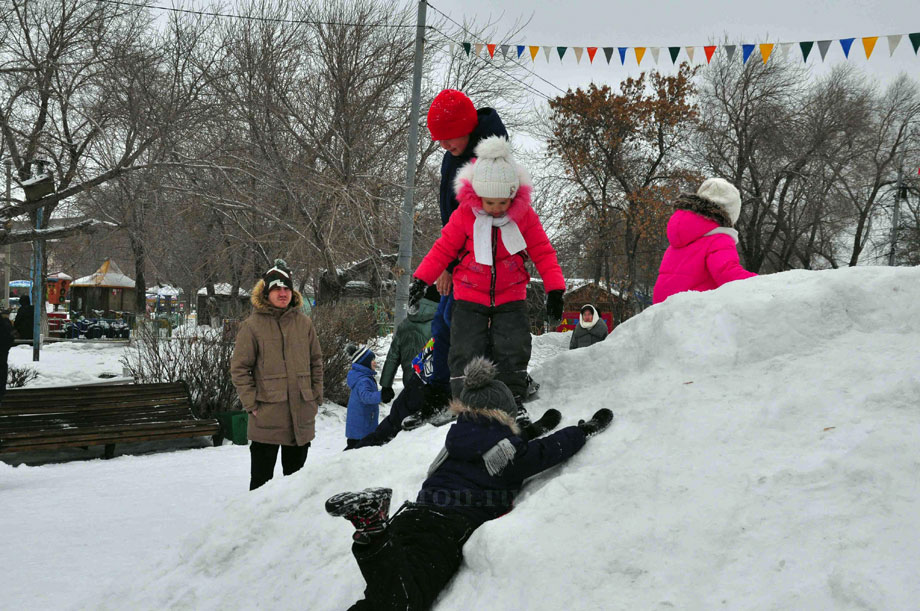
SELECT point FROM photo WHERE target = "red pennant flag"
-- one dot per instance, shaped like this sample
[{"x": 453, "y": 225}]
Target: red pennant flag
[
  {"x": 709, "y": 51},
  {"x": 491, "y": 49},
  {"x": 591, "y": 52}
]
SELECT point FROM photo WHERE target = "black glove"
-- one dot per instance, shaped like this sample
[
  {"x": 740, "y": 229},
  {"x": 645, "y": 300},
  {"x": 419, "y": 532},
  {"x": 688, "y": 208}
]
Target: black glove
[
  {"x": 554, "y": 306},
  {"x": 386, "y": 394},
  {"x": 416, "y": 292},
  {"x": 598, "y": 422}
]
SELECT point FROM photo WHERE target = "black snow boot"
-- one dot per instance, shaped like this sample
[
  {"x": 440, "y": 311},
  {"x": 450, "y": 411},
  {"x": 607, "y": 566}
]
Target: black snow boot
[
  {"x": 547, "y": 422},
  {"x": 368, "y": 510},
  {"x": 522, "y": 417}
]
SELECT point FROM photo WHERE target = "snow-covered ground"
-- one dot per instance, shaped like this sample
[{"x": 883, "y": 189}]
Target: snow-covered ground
[{"x": 764, "y": 456}]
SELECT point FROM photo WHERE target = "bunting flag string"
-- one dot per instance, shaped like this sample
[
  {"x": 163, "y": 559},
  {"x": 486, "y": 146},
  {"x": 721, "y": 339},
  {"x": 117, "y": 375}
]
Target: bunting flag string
[{"x": 728, "y": 51}]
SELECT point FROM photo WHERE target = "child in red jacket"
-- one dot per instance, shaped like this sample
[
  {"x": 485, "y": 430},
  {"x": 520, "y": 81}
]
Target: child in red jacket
[{"x": 493, "y": 233}]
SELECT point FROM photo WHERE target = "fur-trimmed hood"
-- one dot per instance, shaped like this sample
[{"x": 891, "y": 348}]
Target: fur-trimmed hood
[
  {"x": 259, "y": 299},
  {"x": 466, "y": 195},
  {"x": 704, "y": 207},
  {"x": 484, "y": 415}
]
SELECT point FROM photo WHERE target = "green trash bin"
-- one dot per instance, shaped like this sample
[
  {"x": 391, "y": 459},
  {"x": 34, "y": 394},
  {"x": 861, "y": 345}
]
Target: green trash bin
[{"x": 233, "y": 426}]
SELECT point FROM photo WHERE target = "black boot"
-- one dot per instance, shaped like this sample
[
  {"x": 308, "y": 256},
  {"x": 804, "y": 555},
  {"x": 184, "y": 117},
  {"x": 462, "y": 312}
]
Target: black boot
[{"x": 368, "y": 510}]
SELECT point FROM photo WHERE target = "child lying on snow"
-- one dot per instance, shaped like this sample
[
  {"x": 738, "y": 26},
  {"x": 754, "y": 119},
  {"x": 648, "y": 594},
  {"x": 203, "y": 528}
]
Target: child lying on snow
[{"x": 408, "y": 559}]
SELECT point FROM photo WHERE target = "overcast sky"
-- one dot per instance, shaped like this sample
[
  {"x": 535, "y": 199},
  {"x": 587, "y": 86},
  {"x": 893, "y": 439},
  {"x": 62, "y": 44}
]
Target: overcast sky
[{"x": 659, "y": 23}]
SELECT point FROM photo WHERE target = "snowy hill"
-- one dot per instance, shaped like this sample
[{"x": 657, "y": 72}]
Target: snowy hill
[{"x": 765, "y": 456}]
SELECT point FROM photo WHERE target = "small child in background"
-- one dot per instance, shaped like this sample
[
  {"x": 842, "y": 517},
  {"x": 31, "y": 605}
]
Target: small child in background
[
  {"x": 702, "y": 255},
  {"x": 493, "y": 233},
  {"x": 364, "y": 400}
]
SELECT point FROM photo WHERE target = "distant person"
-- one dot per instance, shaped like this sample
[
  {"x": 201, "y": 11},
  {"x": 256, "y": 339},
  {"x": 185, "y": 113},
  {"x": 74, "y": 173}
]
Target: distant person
[
  {"x": 6, "y": 342},
  {"x": 277, "y": 369},
  {"x": 364, "y": 401},
  {"x": 702, "y": 254},
  {"x": 25, "y": 323},
  {"x": 408, "y": 559},
  {"x": 409, "y": 339},
  {"x": 494, "y": 233},
  {"x": 458, "y": 127},
  {"x": 591, "y": 328}
]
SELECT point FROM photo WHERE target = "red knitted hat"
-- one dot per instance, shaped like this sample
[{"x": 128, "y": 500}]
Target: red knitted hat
[{"x": 451, "y": 115}]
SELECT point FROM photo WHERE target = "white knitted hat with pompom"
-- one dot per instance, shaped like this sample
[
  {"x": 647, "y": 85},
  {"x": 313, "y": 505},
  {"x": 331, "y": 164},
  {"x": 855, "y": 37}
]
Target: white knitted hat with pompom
[{"x": 495, "y": 173}]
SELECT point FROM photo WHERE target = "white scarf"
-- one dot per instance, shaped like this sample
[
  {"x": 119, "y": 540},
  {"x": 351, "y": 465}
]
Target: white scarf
[
  {"x": 482, "y": 235},
  {"x": 729, "y": 231}
]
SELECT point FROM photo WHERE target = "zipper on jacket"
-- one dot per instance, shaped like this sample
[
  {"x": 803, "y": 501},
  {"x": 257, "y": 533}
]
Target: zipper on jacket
[
  {"x": 494, "y": 261},
  {"x": 283, "y": 357}
]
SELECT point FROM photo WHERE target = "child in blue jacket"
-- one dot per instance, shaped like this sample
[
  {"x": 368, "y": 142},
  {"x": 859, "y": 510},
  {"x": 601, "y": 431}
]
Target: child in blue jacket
[
  {"x": 364, "y": 400},
  {"x": 407, "y": 560}
]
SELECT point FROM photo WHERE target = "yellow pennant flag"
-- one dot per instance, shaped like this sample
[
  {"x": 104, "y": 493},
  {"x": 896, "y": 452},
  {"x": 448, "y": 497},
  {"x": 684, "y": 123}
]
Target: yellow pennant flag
[
  {"x": 640, "y": 53},
  {"x": 765, "y": 51},
  {"x": 869, "y": 44},
  {"x": 533, "y": 52}
]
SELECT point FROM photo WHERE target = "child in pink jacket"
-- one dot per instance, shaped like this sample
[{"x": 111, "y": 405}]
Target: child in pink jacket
[
  {"x": 702, "y": 254},
  {"x": 493, "y": 233}
]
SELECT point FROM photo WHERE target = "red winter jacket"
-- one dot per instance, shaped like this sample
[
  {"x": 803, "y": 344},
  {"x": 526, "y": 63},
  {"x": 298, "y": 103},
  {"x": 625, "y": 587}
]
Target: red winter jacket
[
  {"x": 507, "y": 279},
  {"x": 696, "y": 260}
]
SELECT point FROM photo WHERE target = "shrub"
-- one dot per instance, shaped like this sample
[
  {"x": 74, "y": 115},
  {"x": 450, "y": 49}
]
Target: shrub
[
  {"x": 337, "y": 325},
  {"x": 17, "y": 377}
]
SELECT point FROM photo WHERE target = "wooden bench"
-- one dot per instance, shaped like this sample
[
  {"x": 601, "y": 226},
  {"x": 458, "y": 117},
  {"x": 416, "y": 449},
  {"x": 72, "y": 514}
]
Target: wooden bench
[{"x": 48, "y": 418}]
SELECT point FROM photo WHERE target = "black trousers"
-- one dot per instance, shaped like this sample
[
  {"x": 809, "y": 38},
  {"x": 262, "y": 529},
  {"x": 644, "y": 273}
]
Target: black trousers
[
  {"x": 264, "y": 455},
  {"x": 410, "y": 400},
  {"x": 407, "y": 565},
  {"x": 4, "y": 372},
  {"x": 501, "y": 333}
]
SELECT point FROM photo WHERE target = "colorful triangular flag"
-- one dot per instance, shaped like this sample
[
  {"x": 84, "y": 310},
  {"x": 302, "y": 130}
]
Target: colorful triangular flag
[
  {"x": 674, "y": 51},
  {"x": 784, "y": 48},
  {"x": 546, "y": 51},
  {"x": 477, "y": 49},
  {"x": 746, "y": 51},
  {"x": 533, "y": 53},
  {"x": 655, "y": 51},
  {"x": 893, "y": 42},
  {"x": 520, "y": 51},
  {"x": 730, "y": 51},
  {"x": 578, "y": 51},
  {"x": 823, "y": 46},
  {"x": 640, "y": 53},
  {"x": 505, "y": 51},
  {"x": 561, "y": 51},
  {"x": 869, "y": 45},
  {"x": 608, "y": 51},
  {"x": 592, "y": 51},
  {"x": 491, "y": 48},
  {"x": 765, "y": 50},
  {"x": 709, "y": 49},
  {"x": 690, "y": 51},
  {"x": 806, "y": 49},
  {"x": 622, "y": 51},
  {"x": 466, "y": 47},
  {"x": 915, "y": 41},
  {"x": 846, "y": 43}
]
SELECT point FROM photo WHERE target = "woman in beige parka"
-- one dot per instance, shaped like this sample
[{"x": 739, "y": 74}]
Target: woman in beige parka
[{"x": 277, "y": 369}]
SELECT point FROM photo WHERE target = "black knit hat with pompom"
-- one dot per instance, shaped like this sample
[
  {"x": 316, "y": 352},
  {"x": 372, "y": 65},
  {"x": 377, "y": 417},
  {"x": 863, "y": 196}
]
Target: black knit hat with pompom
[
  {"x": 482, "y": 391},
  {"x": 278, "y": 275}
]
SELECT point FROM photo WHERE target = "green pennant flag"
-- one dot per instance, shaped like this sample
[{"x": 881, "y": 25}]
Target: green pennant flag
[
  {"x": 915, "y": 40},
  {"x": 674, "y": 51},
  {"x": 561, "y": 51},
  {"x": 608, "y": 51},
  {"x": 467, "y": 47},
  {"x": 806, "y": 49}
]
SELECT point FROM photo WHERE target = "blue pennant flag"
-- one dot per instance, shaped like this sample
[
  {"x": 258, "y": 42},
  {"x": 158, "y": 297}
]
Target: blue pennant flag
[
  {"x": 746, "y": 50},
  {"x": 622, "y": 51},
  {"x": 520, "y": 49},
  {"x": 846, "y": 43}
]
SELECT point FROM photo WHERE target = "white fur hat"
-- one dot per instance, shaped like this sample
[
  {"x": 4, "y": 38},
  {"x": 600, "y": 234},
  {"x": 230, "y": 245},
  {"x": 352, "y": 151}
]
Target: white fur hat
[
  {"x": 723, "y": 194},
  {"x": 495, "y": 173}
]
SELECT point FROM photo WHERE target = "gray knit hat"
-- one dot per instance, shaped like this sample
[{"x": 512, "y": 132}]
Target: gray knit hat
[{"x": 482, "y": 391}]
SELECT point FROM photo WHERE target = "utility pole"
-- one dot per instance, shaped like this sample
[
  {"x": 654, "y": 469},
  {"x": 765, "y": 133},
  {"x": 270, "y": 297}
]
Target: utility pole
[
  {"x": 37, "y": 302},
  {"x": 896, "y": 215},
  {"x": 9, "y": 248},
  {"x": 406, "y": 218}
]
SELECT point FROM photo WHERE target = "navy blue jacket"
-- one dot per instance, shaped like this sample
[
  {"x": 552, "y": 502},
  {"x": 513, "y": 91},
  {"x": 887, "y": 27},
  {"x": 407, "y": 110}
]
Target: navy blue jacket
[
  {"x": 489, "y": 125},
  {"x": 464, "y": 484}
]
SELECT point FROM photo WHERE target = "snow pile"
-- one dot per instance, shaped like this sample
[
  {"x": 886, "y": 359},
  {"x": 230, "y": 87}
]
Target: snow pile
[{"x": 764, "y": 456}]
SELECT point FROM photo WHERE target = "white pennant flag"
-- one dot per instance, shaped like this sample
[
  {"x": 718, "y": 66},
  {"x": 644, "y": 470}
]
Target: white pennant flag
[
  {"x": 784, "y": 48},
  {"x": 690, "y": 53},
  {"x": 893, "y": 42},
  {"x": 477, "y": 49},
  {"x": 655, "y": 51},
  {"x": 505, "y": 51},
  {"x": 453, "y": 45},
  {"x": 578, "y": 52},
  {"x": 546, "y": 52}
]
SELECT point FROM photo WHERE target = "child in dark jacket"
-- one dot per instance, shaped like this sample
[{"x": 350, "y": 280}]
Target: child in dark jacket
[
  {"x": 364, "y": 400},
  {"x": 493, "y": 233},
  {"x": 408, "y": 559}
]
